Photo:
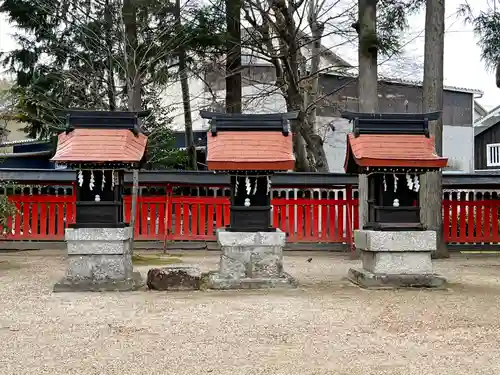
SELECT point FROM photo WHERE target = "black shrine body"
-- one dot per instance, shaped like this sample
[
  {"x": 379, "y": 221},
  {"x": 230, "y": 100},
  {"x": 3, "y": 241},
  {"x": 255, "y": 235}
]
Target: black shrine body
[
  {"x": 251, "y": 203},
  {"x": 393, "y": 182},
  {"x": 108, "y": 211},
  {"x": 393, "y": 200}
]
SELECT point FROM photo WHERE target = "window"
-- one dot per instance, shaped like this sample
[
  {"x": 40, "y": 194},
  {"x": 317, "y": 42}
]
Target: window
[{"x": 493, "y": 155}]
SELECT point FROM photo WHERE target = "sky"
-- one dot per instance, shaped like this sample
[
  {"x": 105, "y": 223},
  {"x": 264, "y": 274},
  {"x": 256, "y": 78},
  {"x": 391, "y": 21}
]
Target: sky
[{"x": 462, "y": 64}]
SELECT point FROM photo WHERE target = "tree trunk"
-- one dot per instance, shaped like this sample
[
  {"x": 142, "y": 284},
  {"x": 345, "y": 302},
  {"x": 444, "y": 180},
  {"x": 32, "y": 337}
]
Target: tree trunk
[
  {"x": 186, "y": 97},
  {"x": 317, "y": 29},
  {"x": 299, "y": 149},
  {"x": 367, "y": 82},
  {"x": 111, "y": 90},
  {"x": 302, "y": 159},
  {"x": 431, "y": 193},
  {"x": 497, "y": 75},
  {"x": 129, "y": 13},
  {"x": 233, "y": 56}
]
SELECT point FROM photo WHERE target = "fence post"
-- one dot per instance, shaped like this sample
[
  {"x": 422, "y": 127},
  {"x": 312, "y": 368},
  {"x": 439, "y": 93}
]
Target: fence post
[
  {"x": 168, "y": 216},
  {"x": 135, "y": 188}
]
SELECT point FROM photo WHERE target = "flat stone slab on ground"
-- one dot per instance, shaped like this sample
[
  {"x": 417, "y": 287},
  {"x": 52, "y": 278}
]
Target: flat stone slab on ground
[
  {"x": 368, "y": 280},
  {"x": 216, "y": 281},
  {"x": 174, "y": 277},
  {"x": 88, "y": 285}
]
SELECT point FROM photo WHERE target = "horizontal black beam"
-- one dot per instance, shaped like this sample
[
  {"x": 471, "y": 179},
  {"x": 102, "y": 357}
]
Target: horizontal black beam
[
  {"x": 431, "y": 116},
  {"x": 248, "y": 117},
  {"x": 37, "y": 175},
  {"x": 302, "y": 179},
  {"x": 110, "y": 115},
  {"x": 179, "y": 177},
  {"x": 210, "y": 178},
  {"x": 466, "y": 180},
  {"x": 207, "y": 178},
  {"x": 313, "y": 179}
]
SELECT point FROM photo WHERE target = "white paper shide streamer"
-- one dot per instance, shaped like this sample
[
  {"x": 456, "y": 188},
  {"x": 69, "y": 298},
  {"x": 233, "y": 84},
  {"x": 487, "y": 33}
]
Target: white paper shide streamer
[
  {"x": 92, "y": 181},
  {"x": 103, "y": 180},
  {"x": 409, "y": 181},
  {"x": 416, "y": 183},
  {"x": 248, "y": 185},
  {"x": 395, "y": 182},
  {"x": 80, "y": 178},
  {"x": 384, "y": 181},
  {"x": 255, "y": 186},
  {"x": 268, "y": 185},
  {"x": 113, "y": 179}
]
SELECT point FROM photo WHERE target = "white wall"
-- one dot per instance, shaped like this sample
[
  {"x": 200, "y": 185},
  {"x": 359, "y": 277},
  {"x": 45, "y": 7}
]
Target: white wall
[{"x": 171, "y": 96}]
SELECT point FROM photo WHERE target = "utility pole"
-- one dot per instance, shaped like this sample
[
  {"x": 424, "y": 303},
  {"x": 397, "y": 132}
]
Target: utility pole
[
  {"x": 367, "y": 81},
  {"x": 431, "y": 193}
]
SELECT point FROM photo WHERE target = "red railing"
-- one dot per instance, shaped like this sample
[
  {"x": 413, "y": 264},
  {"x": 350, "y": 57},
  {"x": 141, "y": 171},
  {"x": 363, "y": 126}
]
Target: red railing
[
  {"x": 40, "y": 217},
  {"x": 178, "y": 218},
  {"x": 44, "y": 217},
  {"x": 197, "y": 218},
  {"x": 471, "y": 221}
]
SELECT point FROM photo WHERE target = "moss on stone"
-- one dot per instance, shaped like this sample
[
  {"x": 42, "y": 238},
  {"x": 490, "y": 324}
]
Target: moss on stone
[{"x": 156, "y": 260}]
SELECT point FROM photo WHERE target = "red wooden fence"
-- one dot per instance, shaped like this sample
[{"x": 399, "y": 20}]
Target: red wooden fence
[
  {"x": 471, "y": 221},
  {"x": 44, "y": 217},
  {"x": 197, "y": 218},
  {"x": 40, "y": 217}
]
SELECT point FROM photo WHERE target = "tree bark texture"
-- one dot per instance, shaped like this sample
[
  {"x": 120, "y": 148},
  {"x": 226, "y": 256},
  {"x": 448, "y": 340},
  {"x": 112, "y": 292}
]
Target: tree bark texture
[
  {"x": 367, "y": 82},
  {"x": 111, "y": 90},
  {"x": 497, "y": 75},
  {"x": 129, "y": 13},
  {"x": 431, "y": 193},
  {"x": 233, "y": 56},
  {"x": 317, "y": 29},
  {"x": 186, "y": 97}
]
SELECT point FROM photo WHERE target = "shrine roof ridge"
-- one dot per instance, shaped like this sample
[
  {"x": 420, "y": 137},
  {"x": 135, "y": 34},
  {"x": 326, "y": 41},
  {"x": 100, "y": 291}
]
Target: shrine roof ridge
[
  {"x": 84, "y": 119},
  {"x": 391, "y": 123},
  {"x": 248, "y": 122}
]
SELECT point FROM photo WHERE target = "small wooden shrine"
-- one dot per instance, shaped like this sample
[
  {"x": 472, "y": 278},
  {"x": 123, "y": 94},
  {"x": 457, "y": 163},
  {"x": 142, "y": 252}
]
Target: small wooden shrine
[
  {"x": 100, "y": 145},
  {"x": 393, "y": 150},
  {"x": 250, "y": 148}
]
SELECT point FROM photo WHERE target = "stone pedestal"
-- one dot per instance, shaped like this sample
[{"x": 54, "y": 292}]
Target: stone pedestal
[
  {"x": 250, "y": 261},
  {"x": 395, "y": 259},
  {"x": 99, "y": 259}
]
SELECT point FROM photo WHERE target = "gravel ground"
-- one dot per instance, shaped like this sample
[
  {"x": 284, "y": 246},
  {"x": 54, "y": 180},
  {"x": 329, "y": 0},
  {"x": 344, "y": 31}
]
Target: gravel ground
[{"x": 326, "y": 326}]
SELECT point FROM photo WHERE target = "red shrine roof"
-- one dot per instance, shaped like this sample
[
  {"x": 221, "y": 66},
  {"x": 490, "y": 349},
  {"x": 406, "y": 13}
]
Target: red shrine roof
[
  {"x": 252, "y": 150},
  {"x": 100, "y": 145},
  {"x": 393, "y": 150}
]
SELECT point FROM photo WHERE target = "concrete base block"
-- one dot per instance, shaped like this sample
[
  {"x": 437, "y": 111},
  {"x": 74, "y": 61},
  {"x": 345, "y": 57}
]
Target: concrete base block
[
  {"x": 379, "y": 241},
  {"x": 369, "y": 280},
  {"x": 99, "y": 259},
  {"x": 111, "y": 285},
  {"x": 250, "y": 260},
  {"x": 397, "y": 262}
]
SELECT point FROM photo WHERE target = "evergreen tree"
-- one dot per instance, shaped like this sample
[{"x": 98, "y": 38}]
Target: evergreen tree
[
  {"x": 487, "y": 28},
  {"x": 72, "y": 54}
]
